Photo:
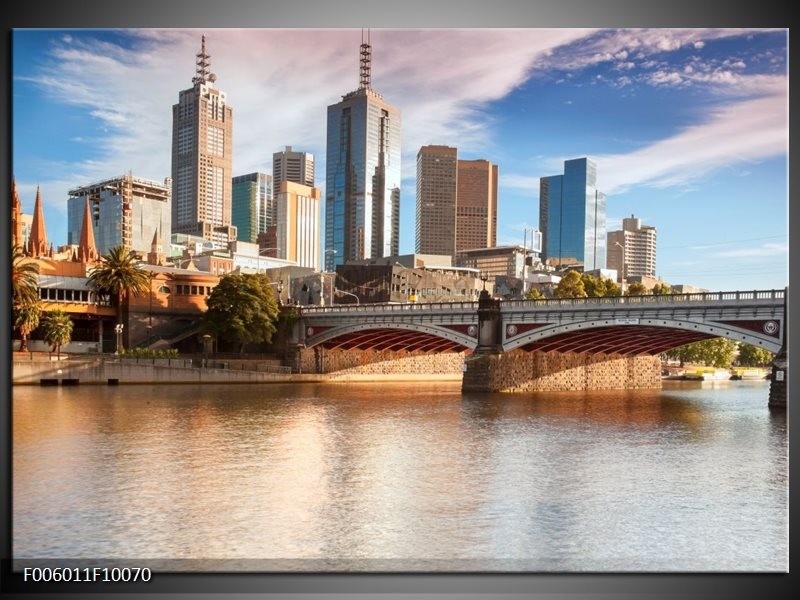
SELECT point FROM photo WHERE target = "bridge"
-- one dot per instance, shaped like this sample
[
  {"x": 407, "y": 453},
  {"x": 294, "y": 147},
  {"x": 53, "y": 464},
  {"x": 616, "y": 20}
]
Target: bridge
[{"x": 619, "y": 327}]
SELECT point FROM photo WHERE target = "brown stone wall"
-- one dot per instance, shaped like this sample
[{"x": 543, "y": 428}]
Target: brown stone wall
[
  {"x": 519, "y": 371},
  {"x": 322, "y": 360}
]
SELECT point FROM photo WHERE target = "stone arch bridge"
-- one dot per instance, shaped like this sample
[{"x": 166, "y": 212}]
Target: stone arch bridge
[{"x": 538, "y": 337}]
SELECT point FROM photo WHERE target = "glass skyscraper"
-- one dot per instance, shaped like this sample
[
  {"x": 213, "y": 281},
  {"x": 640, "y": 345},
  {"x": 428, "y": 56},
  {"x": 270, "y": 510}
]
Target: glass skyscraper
[
  {"x": 252, "y": 205},
  {"x": 572, "y": 217},
  {"x": 362, "y": 193}
]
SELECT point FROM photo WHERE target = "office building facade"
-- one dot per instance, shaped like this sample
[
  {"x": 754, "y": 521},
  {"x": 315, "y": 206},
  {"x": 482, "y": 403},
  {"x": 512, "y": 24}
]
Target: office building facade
[
  {"x": 125, "y": 211},
  {"x": 437, "y": 169},
  {"x": 572, "y": 217},
  {"x": 298, "y": 224},
  {"x": 476, "y": 205},
  {"x": 632, "y": 251},
  {"x": 362, "y": 193},
  {"x": 252, "y": 205},
  {"x": 291, "y": 165},
  {"x": 202, "y": 148}
]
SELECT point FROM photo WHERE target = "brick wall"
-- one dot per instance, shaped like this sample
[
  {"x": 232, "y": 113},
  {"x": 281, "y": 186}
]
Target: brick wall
[{"x": 322, "y": 360}]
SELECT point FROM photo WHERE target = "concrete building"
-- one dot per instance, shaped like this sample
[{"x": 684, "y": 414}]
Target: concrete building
[
  {"x": 632, "y": 250},
  {"x": 362, "y": 192},
  {"x": 505, "y": 261},
  {"x": 252, "y": 205},
  {"x": 476, "y": 205},
  {"x": 202, "y": 148},
  {"x": 298, "y": 224},
  {"x": 572, "y": 217},
  {"x": 125, "y": 211},
  {"x": 291, "y": 165},
  {"x": 437, "y": 169}
]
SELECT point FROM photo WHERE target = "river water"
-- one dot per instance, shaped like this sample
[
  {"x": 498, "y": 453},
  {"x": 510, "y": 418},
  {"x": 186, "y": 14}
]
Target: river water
[{"x": 400, "y": 476}]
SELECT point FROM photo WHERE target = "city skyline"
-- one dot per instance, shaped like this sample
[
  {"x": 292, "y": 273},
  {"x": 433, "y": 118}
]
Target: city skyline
[{"x": 687, "y": 127}]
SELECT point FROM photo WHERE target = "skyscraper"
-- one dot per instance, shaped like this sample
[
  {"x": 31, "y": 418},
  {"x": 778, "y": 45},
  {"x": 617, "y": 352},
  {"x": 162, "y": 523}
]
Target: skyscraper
[
  {"x": 362, "y": 192},
  {"x": 252, "y": 205},
  {"x": 632, "y": 251},
  {"x": 202, "y": 147},
  {"x": 297, "y": 224},
  {"x": 437, "y": 168},
  {"x": 290, "y": 165},
  {"x": 572, "y": 217},
  {"x": 476, "y": 205}
]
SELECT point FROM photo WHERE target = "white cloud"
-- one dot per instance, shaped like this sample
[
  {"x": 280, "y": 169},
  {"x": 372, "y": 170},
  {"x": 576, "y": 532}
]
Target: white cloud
[{"x": 770, "y": 249}]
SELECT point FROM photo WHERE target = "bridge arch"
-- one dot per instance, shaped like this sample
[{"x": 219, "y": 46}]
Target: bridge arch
[
  {"x": 418, "y": 336},
  {"x": 638, "y": 336}
]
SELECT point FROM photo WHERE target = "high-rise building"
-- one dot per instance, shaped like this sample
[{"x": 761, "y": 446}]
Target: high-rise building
[
  {"x": 632, "y": 251},
  {"x": 202, "y": 147},
  {"x": 437, "y": 169},
  {"x": 476, "y": 205},
  {"x": 290, "y": 165},
  {"x": 252, "y": 205},
  {"x": 362, "y": 192},
  {"x": 298, "y": 224},
  {"x": 125, "y": 211},
  {"x": 572, "y": 217}
]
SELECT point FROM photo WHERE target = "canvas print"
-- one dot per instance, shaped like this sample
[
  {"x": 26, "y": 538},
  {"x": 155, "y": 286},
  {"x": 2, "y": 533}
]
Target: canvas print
[{"x": 392, "y": 300}]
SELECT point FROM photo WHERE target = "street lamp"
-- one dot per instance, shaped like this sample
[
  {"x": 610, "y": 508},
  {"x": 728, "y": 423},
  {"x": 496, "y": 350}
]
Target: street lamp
[
  {"x": 622, "y": 270},
  {"x": 338, "y": 291},
  {"x": 118, "y": 330}
]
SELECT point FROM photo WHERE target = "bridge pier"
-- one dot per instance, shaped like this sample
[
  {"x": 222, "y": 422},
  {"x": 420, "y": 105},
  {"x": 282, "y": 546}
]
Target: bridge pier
[{"x": 777, "y": 380}]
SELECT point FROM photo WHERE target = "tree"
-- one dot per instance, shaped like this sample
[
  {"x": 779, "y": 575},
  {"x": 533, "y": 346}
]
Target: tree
[
  {"x": 242, "y": 309},
  {"x": 753, "y": 356},
  {"x": 570, "y": 286},
  {"x": 636, "y": 289},
  {"x": 661, "y": 289},
  {"x": 26, "y": 319},
  {"x": 56, "y": 329},
  {"x": 598, "y": 287},
  {"x": 120, "y": 275},
  {"x": 715, "y": 352},
  {"x": 533, "y": 294},
  {"x": 612, "y": 289},
  {"x": 24, "y": 278}
]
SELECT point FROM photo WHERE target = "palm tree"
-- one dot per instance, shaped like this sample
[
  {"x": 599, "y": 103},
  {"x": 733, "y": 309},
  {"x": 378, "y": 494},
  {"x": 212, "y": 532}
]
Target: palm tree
[
  {"x": 24, "y": 278},
  {"x": 57, "y": 329},
  {"x": 26, "y": 319},
  {"x": 120, "y": 275}
]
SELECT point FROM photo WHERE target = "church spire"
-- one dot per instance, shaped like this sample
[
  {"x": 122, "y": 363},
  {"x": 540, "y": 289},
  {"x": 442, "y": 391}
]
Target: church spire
[
  {"x": 16, "y": 215},
  {"x": 365, "y": 75},
  {"x": 37, "y": 241},
  {"x": 203, "y": 72},
  {"x": 87, "y": 251}
]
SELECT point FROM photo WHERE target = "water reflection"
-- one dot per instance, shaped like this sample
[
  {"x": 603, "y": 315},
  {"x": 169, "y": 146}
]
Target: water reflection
[{"x": 399, "y": 476}]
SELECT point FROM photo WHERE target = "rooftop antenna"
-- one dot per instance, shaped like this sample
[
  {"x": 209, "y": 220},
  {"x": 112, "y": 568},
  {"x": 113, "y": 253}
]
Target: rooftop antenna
[
  {"x": 203, "y": 73},
  {"x": 366, "y": 62}
]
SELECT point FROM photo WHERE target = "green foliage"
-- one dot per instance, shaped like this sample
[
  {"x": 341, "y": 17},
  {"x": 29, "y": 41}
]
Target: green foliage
[
  {"x": 149, "y": 353},
  {"x": 24, "y": 279},
  {"x": 715, "y": 352},
  {"x": 56, "y": 329},
  {"x": 120, "y": 274},
  {"x": 242, "y": 308},
  {"x": 636, "y": 289},
  {"x": 661, "y": 289},
  {"x": 533, "y": 294},
  {"x": 598, "y": 287},
  {"x": 753, "y": 356},
  {"x": 570, "y": 286},
  {"x": 26, "y": 319}
]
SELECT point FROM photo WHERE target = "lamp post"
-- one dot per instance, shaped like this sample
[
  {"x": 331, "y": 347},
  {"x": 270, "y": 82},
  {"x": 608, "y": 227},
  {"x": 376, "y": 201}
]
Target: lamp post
[
  {"x": 622, "y": 270},
  {"x": 118, "y": 330},
  {"x": 338, "y": 291},
  {"x": 206, "y": 348}
]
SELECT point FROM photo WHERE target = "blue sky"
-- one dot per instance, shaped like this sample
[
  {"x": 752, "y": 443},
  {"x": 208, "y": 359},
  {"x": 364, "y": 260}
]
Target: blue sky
[{"x": 688, "y": 127}]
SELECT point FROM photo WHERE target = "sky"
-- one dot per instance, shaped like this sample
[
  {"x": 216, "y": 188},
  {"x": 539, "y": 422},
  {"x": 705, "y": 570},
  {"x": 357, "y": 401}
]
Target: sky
[{"x": 688, "y": 127}]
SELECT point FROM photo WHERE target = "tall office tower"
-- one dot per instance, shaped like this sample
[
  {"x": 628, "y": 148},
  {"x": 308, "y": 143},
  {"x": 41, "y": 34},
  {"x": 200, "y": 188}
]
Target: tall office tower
[
  {"x": 125, "y": 211},
  {"x": 202, "y": 148},
  {"x": 290, "y": 165},
  {"x": 362, "y": 192},
  {"x": 298, "y": 224},
  {"x": 252, "y": 205},
  {"x": 572, "y": 217},
  {"x": 632, "y": 251},
  {"x": 437, "y": 168},
  {"x": 476, "y": 205}
]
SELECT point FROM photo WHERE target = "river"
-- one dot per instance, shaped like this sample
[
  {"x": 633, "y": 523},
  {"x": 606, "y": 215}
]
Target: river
[{"x": 403, "y": 477}]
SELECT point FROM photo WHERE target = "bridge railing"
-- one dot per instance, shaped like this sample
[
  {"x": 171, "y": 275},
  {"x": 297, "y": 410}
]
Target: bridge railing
[
  {"x": 393, "y": 308},
  {"x": 653, "y": 299}
]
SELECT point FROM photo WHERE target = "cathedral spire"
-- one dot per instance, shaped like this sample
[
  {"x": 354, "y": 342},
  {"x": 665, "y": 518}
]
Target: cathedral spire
[
  {"x": 203, "y": 72},
  {"x": 37, "y": 241},
  {"x": 16, "y": 215},
  {"x": 366, "y": 62},
  {"x": 87, "y": 251}
]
